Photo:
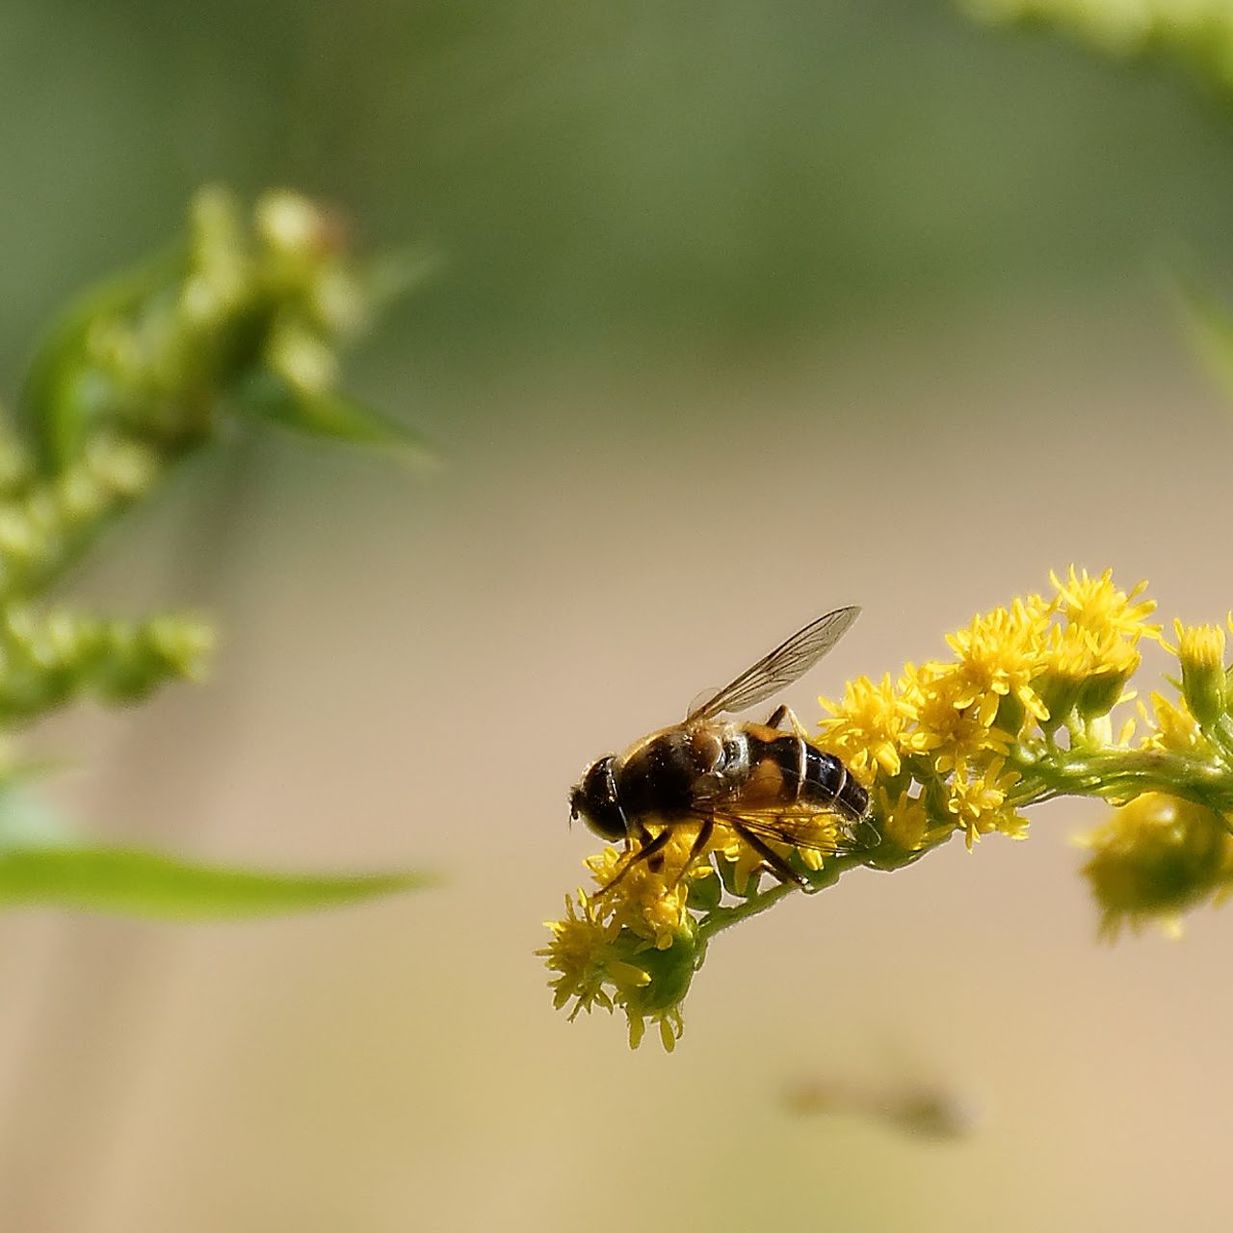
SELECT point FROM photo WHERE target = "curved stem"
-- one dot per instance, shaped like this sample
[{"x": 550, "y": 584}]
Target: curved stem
[{"x": 1115, "y": 774}]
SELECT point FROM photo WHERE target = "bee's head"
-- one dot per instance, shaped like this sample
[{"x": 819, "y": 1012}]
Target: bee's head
[{"x": 594, "y": 800}]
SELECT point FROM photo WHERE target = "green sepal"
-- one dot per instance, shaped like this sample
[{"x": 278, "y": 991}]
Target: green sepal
[
  {"x": 671, "y": 971},
  {"x": 135, "y": 882},
  {"x": 1060, "y": 696},
  {"x": 820, "y": 879},
  {"x": 1099, "y": 694},
  {"x": 727, "y": 875},
  {"x": 327, "y": 414},
  {"x": 1010, "y": 714},
  {"x": 705, "y": 893}
]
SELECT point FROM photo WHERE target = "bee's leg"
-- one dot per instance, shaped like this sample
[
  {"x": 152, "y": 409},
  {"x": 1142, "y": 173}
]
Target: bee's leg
[
  {"x": 650, "y": 849},
  {"x": 705, "y": 829},
  {"x": 778, "y": 866},
  {"x": 779, "y": 714}
]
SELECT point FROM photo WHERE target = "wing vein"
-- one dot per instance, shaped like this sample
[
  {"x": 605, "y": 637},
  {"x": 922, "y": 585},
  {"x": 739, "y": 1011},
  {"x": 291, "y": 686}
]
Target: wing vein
[{"x": 784, "y": 665}]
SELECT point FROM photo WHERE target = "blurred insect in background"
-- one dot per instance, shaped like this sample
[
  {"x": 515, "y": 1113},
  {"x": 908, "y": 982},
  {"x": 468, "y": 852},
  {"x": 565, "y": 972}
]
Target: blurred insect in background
[
  {"x": 923, "y": 1110},
  {"x": 762, "y": 782}
]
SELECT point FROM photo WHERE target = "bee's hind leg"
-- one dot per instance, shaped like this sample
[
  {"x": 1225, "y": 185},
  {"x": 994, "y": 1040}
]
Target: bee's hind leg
[
  {"x": 778, "y": 866},
  {"x": 779, "y": 714}
]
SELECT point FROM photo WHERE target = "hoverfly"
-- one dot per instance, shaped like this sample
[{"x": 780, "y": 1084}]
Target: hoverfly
[{"x": 759, "y": 780}]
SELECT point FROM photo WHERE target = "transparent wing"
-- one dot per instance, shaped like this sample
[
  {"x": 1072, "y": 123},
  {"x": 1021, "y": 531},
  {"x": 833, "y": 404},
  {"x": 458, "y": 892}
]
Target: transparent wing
[
  {"x": 778, "y": 670},
  {"x": 809, "y": 827}
]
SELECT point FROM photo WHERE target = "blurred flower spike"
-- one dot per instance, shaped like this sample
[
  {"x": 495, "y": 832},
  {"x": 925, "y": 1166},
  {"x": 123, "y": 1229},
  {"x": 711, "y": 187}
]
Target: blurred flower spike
[
  {"x": 1033, "y": 703},
  {"x": 245, "y": 317},
  {"x": 241, "y": 322}
]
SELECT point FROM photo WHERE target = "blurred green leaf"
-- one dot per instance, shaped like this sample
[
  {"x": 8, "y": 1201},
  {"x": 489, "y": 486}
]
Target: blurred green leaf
[
  {"x": 1209, "y": 325},
  {"x": 65, "y": 393},
  {"x": 149, "y": 884},
  {"x": 331, "y": 415}
]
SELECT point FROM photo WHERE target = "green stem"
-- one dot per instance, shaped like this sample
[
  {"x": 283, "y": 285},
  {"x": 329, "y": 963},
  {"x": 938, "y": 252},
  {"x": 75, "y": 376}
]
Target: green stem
[
  {"x": 1121, "y": 774},
  {"x": 1221, "y": 735},
  {"x": 719, "y": 919}
]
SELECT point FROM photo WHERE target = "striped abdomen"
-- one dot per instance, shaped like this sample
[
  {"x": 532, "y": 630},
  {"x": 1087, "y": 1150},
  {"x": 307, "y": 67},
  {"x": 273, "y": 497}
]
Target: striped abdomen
[{"x": 788, "y": 770}]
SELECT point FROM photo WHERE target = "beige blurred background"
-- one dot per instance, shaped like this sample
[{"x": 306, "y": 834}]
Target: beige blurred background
[{"x": 917, "y": 374}]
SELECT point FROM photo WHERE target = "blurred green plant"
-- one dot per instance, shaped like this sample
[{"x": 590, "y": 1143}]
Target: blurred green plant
[
  {"x": 242, "y": 321},
  {"x": 1197, "y": 32},
  {"x": 1021, "y": 714}
]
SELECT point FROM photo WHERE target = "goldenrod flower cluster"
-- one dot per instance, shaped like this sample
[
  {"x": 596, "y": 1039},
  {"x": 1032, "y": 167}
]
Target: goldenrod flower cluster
[
  {"x": 1030, "y": 705},
  {"x": 953, "y": 744}
]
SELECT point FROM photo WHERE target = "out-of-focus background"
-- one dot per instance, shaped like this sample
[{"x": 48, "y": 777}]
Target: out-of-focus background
[{"x": 744, "y": 312}]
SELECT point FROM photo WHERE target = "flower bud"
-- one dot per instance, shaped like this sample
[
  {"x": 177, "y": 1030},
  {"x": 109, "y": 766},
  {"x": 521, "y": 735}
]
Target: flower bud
[
  {"x": 1155, "y": 857},
  {"x": 1200, "y": 651}
]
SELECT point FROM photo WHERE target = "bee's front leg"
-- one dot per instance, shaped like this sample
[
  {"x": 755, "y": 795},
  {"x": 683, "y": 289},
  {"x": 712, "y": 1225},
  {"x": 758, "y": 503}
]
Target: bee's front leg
[
  {"x": 650, "y": 849},
  {"x": 706, "y": 827}
]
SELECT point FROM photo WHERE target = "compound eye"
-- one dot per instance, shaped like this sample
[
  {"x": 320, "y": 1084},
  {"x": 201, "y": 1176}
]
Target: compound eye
[{"x": 598, "y": 802}]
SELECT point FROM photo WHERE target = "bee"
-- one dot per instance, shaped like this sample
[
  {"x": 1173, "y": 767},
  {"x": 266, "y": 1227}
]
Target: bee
[{"x": 760, "y": 780}]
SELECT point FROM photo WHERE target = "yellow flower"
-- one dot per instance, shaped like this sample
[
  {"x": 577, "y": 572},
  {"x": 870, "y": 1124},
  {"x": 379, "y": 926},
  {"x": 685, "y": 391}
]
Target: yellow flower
[
  {"x": 905, "y": 822},
  {"x": 583, "y": 952},
  {"x": 1203, "y": 645},
  {"x": 1175, "y": 728},
  {"x": 649, "y": 902},
  {"x": 1085, "y": 668},
  {"x": 600, "y": 962},
  {"x": 671, "y": 1025},
  {"x": 949, "y": 733},
  {"x": 868, "y": 727},
  {"x": 978, "y": 801},
  {"x": 1154, "y": 858},
  {"x": 1099, "y": 606},
  {"x": 999, "y": 654}
]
